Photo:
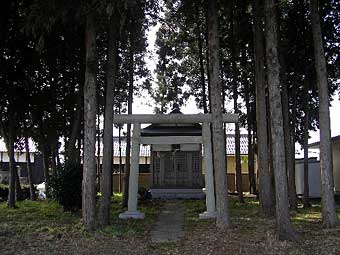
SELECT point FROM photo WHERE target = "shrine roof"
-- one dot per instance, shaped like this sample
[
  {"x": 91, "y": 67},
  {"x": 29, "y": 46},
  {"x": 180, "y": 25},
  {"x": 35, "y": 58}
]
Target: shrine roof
[{"x": 172, "y": 130}]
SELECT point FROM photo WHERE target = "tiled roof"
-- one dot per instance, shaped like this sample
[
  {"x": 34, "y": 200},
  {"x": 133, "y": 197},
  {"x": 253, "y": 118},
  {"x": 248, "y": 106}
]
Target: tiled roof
[{"x": 145, "y": 149}]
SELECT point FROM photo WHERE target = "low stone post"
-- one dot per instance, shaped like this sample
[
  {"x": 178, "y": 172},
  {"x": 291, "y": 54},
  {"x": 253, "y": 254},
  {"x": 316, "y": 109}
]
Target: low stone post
[
  {"x": 209, "y": 174},
  {"x": 132, "y": 211}
]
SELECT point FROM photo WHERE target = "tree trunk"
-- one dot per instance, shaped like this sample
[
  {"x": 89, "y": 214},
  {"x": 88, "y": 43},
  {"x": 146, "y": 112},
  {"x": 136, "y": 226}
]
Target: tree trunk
[
  {"x": 71, "y": 152},
  {"x": 330, "y": 218},
  {"x": 80, "y": 141},
  {"x": 45, "y": 155},
  {"x": 106, "y": 180},
  {"x": 238, "y": 169},
  {"x": 53, "y": 159},
  {"x": 293, "y": 121},
  {"x": 98, "y": 141},
  {"x": 251, "y": 171},
  {"x": 306, "y": 202},
  {"x": 251, "y": 127},
  {"x": 270, "y": 150},
  {"x": 12, "y": 171},
  {"x": 89, "y": 173},
  {"x": 120, "y": 158},
  {"x": 287, "y": 138},
  {"x": 29, "y": 170},
  {"x": 285, "y": 228},
  {"x": 19, "y": 195},
  {"x": 222, "y": 220},
  {"x": 128, "y": 134},
  {"x": 264, "y": 175}
]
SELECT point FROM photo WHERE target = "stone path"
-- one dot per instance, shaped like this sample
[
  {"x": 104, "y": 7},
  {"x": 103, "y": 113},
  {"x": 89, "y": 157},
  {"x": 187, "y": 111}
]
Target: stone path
[{"x": 170, "y": 224}]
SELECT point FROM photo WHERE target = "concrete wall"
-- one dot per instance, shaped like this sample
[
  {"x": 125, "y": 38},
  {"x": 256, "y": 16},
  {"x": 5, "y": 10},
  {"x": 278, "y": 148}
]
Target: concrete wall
[{"x": 314, "y": 178}]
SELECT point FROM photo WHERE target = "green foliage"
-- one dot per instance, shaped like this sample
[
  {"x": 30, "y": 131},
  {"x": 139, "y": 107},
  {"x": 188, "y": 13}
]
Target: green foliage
[{"x": 65, "y": 186}]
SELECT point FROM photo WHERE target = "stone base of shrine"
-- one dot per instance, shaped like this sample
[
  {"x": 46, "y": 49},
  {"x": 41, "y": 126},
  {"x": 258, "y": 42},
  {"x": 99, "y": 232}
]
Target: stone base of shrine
[
  {"x": 131, "y": 215},
  {"x": 177, "y": 193},
  {"x": 207, "y": 215}
]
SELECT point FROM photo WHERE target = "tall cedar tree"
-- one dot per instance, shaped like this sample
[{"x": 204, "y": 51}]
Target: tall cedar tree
[
  {"x": 238, "y": 170},
  {"x": 285, "y": 228},
  {"x": 305, "y": 199},
  {"x": 12, "y": 173},
  {"x": 128, "y": 133},
  {"x": 329, "y": 216},
  {"x": 290, "y": 154},
  {"x": 111, "y": 68},
  {"x": 265, "y": 187},
  {"x": 29, "y": 169},
  {"x": 222, "y": 220},
  {"x": 89, "y": 173}
]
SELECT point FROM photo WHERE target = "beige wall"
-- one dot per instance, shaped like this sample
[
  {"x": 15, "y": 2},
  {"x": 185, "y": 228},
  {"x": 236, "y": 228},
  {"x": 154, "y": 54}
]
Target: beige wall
[
  {"x": 143, "y": 181},
  {"x": 231, "y": 164}
]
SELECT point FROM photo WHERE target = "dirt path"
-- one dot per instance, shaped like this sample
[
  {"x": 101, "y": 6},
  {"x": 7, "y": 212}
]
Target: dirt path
[{"x": 170, "y": 224}]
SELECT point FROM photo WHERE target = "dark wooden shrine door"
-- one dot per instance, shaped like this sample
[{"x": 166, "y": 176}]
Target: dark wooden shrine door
[{"x": 179, "y": 169}]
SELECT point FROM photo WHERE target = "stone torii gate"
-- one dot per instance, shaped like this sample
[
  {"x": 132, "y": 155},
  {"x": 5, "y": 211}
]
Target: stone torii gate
[{"x": 205, "y": 139}]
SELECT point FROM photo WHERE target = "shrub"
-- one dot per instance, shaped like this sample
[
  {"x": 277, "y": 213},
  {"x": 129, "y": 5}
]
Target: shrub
[
  {"x": 65, "y": 186},
  {"x": 4, "y": 192},
  {"x": 144, "y": 194}
]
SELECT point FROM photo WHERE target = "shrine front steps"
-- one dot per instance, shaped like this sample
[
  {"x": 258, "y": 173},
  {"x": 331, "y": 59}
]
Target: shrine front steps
[{"x": 177, "y": 193}]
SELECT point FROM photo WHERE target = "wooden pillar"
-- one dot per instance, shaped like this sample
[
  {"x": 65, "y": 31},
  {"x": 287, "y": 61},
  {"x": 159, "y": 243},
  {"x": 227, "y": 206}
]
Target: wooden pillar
[
  {"x": 133, "y": 181},
  {"x": 209, "y": 174}
]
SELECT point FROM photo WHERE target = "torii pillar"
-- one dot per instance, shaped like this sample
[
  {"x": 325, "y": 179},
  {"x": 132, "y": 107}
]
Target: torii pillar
[
  {"x": 132, "y": 211},
  {"x": 209, "y": 174}
]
